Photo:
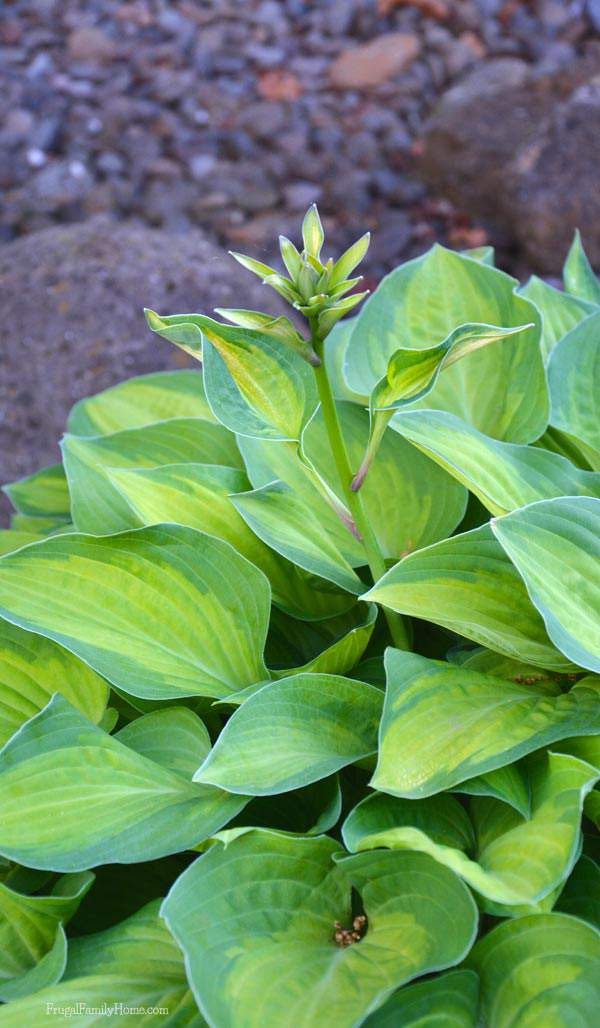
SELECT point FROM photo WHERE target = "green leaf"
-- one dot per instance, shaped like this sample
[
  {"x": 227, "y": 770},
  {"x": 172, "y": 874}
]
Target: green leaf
[
  {"x": 98, "y": 506},
  {"x": 443, "y": 725},
  {"x": 181, "y": 329},
  {"x": 560, "y": 311},
  {"x": 267, "y": 462},
  {"x": 285, "y": 523},
  {"x": 507, "y": 867},
  {"x": 199, "y": 495},
  {"x": 32, "y": 668},
  {"x": 256, "y": 923},
  {"x": 485, "y": 254},
  {"x": 335, "y": 354},
  {"x": 11, "y": 540},
  {"x": 351, "y": 634},
  {"x": 160, "y": 612},
  {"x": 448, "y": 1001},
  {"x": 480, "y": 659},
  {"x": 313, "y": 236},
  {"x": 74, "y": 797},
  {"x": 136, "y": 964},
  {"x": 507, "y": 784},
  {"x": 469, "y": 585},
  {"x": 29, "y": 933},
  {"x": 293, "y": 732},
  {"x": 574, "y": 381},
  {"x": 578, "y": 273},
  {"x": 502, "y": 389},
  {"x": 139, "y": 401},
  {"x": 432, "y": 503},
  {"x": 45, "y": 492},
  {"x": 39, "y": 524},
  {"x": 581, "y": 894},
  {"x": 555, "y": 545},
  {"x": 503, "y": 476},
  {"x": 539, "y": 970},
  {"x": 381, "y": 821},
  {"x": 174, "y": 737},
  {"x": 254, "y": 385},
  {"x": 48, "y": 970},
  {"x": 412, "y": 374}
]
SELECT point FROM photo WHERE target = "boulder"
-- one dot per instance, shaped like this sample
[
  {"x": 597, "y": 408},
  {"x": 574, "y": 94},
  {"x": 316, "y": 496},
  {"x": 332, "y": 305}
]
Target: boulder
[
  {"x": 72, "y": 300},
  {"x": 520, "y": 151}
]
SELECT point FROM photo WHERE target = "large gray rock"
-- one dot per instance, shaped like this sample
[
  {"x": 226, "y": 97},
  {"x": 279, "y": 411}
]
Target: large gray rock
[
  {"x": 521, "y": 152},
  {"x": 72, "y": 302}
]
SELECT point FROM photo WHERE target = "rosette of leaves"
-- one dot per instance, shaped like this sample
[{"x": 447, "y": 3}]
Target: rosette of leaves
[{"x": 300, "y": 666}]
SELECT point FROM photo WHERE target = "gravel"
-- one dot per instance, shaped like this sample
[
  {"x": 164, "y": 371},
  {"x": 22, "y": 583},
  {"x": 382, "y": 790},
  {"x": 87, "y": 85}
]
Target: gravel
[{"x": 232, "y": 116}]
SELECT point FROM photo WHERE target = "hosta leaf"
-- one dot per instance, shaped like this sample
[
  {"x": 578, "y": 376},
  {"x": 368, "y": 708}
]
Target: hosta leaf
[
  {"x": 254, "y": 385},
  {"x": 28, "y": 933},
  {"x": 507, "y": 784},
  {"x": 539, "y": 970},
  {"x": 432, "y": 503},
  {"x": 135, "y": 964},
  {"x": 448, "y": 1001},
  {"x": 199, "y": 495},
  {"x": 267, "y": 462},
  {"x": 517, "y": 860},
  {"x": 160, "y": 612},
  {"x": 175, "y": 738},
  {"x": 411, "y": 375},
  {"x": 256, "y": 923},
  {"x": 139, "y": 401},
  {"x": 501, "y": 390},
  {"x": 48, "y": 970},
  {"x": 44, "y": 492},
  {"x": 342, "y": 654},
  {"x": 285, "y": 523},
  {"x": 74, "y": 797},
  {"x": 386, "y": 821},
  {"x": 581, "y": 894},
  {"x": 574, "y": 381},
  {"x": 335, "y": 355},
  {"x": 32, "y": 668},
  {"x": 469, "y": 584},
  {"x": 555, "y": 545},
  {"x": 480, "y": 659},
  {"x": 293, "y": 732},
  {"x": 432, "y": 506},
  {"x": 579, "y": 275},
  {"x": 11, "y": 540},
  {"x": 98, "y": 506},
  {"x": 39, "y": 524},
  {"x": 503, "y": 476},
  {"x": 443, "y": 725},
  {"x": 560, "y": 311}
]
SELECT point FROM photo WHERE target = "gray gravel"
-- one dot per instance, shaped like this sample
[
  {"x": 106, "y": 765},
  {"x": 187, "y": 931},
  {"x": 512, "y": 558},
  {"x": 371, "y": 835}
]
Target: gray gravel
[{"x": 231, "y": 116}]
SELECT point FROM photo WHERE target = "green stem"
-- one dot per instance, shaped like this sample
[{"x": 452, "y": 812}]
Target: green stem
[{"x": 374, "y": 555}]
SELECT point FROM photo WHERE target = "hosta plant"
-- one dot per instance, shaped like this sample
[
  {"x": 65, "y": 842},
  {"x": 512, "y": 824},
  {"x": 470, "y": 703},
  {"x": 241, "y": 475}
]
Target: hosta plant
[{"x": 300, "y": 666}]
